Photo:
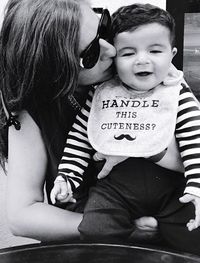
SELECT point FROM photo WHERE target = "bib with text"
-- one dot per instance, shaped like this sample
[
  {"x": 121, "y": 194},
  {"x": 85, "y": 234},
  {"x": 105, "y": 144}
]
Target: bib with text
[{"x": 122, "y": 122}]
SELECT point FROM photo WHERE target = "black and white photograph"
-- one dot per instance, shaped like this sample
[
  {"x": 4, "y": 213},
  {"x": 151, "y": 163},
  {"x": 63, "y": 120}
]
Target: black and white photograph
[{"x": 82, "y": 84}]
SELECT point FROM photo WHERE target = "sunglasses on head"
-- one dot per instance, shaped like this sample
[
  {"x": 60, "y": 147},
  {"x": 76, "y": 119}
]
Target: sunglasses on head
[{"x": 90, "y": 56}]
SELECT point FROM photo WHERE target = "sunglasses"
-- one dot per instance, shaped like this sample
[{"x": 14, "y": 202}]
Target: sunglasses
[{"x": 90, "y": 56}]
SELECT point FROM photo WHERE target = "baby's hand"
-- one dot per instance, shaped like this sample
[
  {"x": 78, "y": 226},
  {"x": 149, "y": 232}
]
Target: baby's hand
[
  {"x": 61, "y": 191},
  {"x": 193, "y": 223},
  {"x": 111, "y": 161}
]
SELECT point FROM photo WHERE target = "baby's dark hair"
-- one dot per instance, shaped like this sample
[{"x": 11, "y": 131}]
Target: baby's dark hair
[{"x": 128, "y": 18}]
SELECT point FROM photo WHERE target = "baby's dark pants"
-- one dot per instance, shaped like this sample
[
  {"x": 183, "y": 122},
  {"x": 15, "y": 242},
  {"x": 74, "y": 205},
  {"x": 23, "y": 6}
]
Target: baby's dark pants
[{"x": 136, "y": 188}]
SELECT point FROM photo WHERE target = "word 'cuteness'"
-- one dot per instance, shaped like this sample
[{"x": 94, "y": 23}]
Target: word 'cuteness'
[{"x": 128, "y": 126}]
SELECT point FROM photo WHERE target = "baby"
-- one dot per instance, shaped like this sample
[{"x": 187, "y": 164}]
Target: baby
[{"x": 135, "y": 114}]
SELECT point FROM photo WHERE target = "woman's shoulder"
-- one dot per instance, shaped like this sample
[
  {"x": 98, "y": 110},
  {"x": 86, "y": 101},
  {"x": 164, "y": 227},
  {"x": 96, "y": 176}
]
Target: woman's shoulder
[
  {"x": 29, "y": 128},
  {"x": 25, "y": 142}
]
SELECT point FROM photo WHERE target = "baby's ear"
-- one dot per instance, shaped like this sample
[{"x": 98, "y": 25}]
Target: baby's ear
[{"x": 174, "y": 51}]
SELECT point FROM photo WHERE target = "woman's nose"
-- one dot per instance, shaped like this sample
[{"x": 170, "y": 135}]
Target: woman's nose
[{"x": 106, "y": 50}]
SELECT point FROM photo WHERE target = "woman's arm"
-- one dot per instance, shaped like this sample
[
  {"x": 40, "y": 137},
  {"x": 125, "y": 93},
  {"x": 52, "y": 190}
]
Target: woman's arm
[{"x": 27, "y": 214}]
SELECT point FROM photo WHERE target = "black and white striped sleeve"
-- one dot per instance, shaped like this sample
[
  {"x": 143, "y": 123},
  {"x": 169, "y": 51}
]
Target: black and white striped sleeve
[
  {"x": 77, "y": 151},
  {"x": 188, "y": 137}
]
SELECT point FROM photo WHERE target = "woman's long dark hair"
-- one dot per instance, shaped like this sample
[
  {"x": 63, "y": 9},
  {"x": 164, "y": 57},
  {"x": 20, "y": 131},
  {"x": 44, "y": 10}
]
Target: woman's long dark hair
[{"x": 38, "y": 54}]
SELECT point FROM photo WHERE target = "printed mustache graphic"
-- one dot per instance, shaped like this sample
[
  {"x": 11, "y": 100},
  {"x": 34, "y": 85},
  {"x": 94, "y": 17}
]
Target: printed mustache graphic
[{"x": 124, "y": 136}]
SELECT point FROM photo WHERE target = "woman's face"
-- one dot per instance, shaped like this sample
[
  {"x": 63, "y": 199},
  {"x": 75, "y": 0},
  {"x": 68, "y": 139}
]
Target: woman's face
[{"x": 88, "y": 29}]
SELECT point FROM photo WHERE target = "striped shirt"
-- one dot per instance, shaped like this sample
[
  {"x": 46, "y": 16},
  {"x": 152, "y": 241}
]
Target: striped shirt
[{"x": 78, "y": 151}]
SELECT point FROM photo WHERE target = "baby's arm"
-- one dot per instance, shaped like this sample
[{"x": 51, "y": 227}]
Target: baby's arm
[
  {"x": 188, "y": 137},
  {"x": 76, "y": 157}
]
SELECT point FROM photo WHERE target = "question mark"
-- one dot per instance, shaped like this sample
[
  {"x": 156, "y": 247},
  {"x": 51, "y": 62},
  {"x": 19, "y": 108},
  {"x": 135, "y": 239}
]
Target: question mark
[{"x": 153, "y": 126}]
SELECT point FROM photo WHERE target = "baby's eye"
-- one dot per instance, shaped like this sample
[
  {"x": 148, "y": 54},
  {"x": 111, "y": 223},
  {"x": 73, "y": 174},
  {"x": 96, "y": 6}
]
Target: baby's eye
[
  {"x": 128, "y": 54},
  {"x": 155, "y": 51}
]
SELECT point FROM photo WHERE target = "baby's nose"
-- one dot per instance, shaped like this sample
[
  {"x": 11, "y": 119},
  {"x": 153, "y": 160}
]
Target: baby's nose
[{"x": 142, "y": 58}]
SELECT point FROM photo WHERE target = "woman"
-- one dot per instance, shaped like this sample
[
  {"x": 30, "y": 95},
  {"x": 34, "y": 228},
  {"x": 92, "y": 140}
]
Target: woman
[{"x": 41, "y": 45}]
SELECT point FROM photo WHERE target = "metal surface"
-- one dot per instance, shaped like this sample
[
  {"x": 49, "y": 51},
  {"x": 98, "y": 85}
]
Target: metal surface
[{"x": 91, "y": 253}]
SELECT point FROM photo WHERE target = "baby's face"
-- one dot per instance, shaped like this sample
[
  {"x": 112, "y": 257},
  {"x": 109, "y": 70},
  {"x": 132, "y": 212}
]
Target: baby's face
[{"x": 144, "y": 56}]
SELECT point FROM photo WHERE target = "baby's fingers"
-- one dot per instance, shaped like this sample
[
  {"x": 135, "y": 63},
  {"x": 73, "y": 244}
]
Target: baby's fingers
[
  {"x": 105, "y": 170},
  {"x": 54, "y": 192},
  {"x": 197, "y": 221},
  {"x": 67, "y": 198},
  {"x": 64, "y": 192},
  {"x": 193, "y": 224}
]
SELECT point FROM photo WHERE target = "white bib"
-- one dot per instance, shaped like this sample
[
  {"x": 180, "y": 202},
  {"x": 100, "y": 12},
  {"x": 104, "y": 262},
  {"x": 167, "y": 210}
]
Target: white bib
[{"x": 122, "y": 122}]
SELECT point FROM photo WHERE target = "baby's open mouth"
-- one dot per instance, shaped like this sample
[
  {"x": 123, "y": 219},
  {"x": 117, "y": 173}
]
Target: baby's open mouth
[{"x": 143, "y": 73}]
